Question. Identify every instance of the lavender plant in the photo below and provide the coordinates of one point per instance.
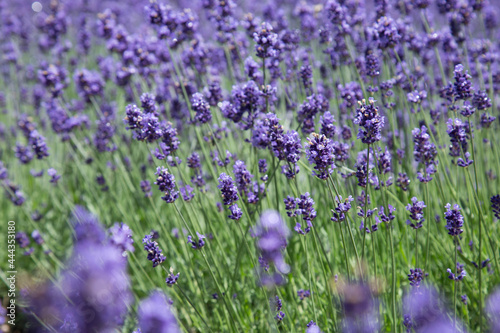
(200, 133)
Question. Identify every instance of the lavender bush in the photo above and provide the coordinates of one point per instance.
(250, 166)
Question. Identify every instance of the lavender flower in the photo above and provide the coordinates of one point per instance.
(457, 131)
(95, 269)
(155, 315)
(343, 206)
(121, 237)
(312, 327)
(460, 273)
(493, 310)
(236, 213)
(424, 151)
(154, 251)
(194, 161)
(462, 88)
(465, 163)
(202, 109)
(416, 210)
(454, 220)
(358, 307)
(495, 205)
(146, 188)
(196, 244)
(22, 239)
(319, 152)
(416, 276)
(54, 177)
(186, 193)
(303, 294)
(272, 233)
(265, 40)
(171, 278)
(481, 101)
(327, 127)
(14, 194)
(37, 237)
(370, 122)
(427, 312)
(229, 191)
(166, 184)
(148, 103)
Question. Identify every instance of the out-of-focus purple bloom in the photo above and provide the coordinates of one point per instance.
(427, 311)
(88, 84)
(54, 177)
(424, 151)
(4, 173)
(272, 234)
(403, 181)
(486, 120)
(303, 294)
(121, 237)
(467, 110)
(193, 161)
(146, 188)
(155, 315)
(37, 143)
(186, 192)
(416, 96)
(386, 33)
(358, 307)
(87, 226)
(37, 237)
(493, 310)
(314, 104)
(312, 327)
(94, 270)
(23, 154)
(22, 239)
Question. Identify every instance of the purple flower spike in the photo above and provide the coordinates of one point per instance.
(454, 220)
(370, 122)
(319, 152)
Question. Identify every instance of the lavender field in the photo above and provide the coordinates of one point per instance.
(250, 166)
